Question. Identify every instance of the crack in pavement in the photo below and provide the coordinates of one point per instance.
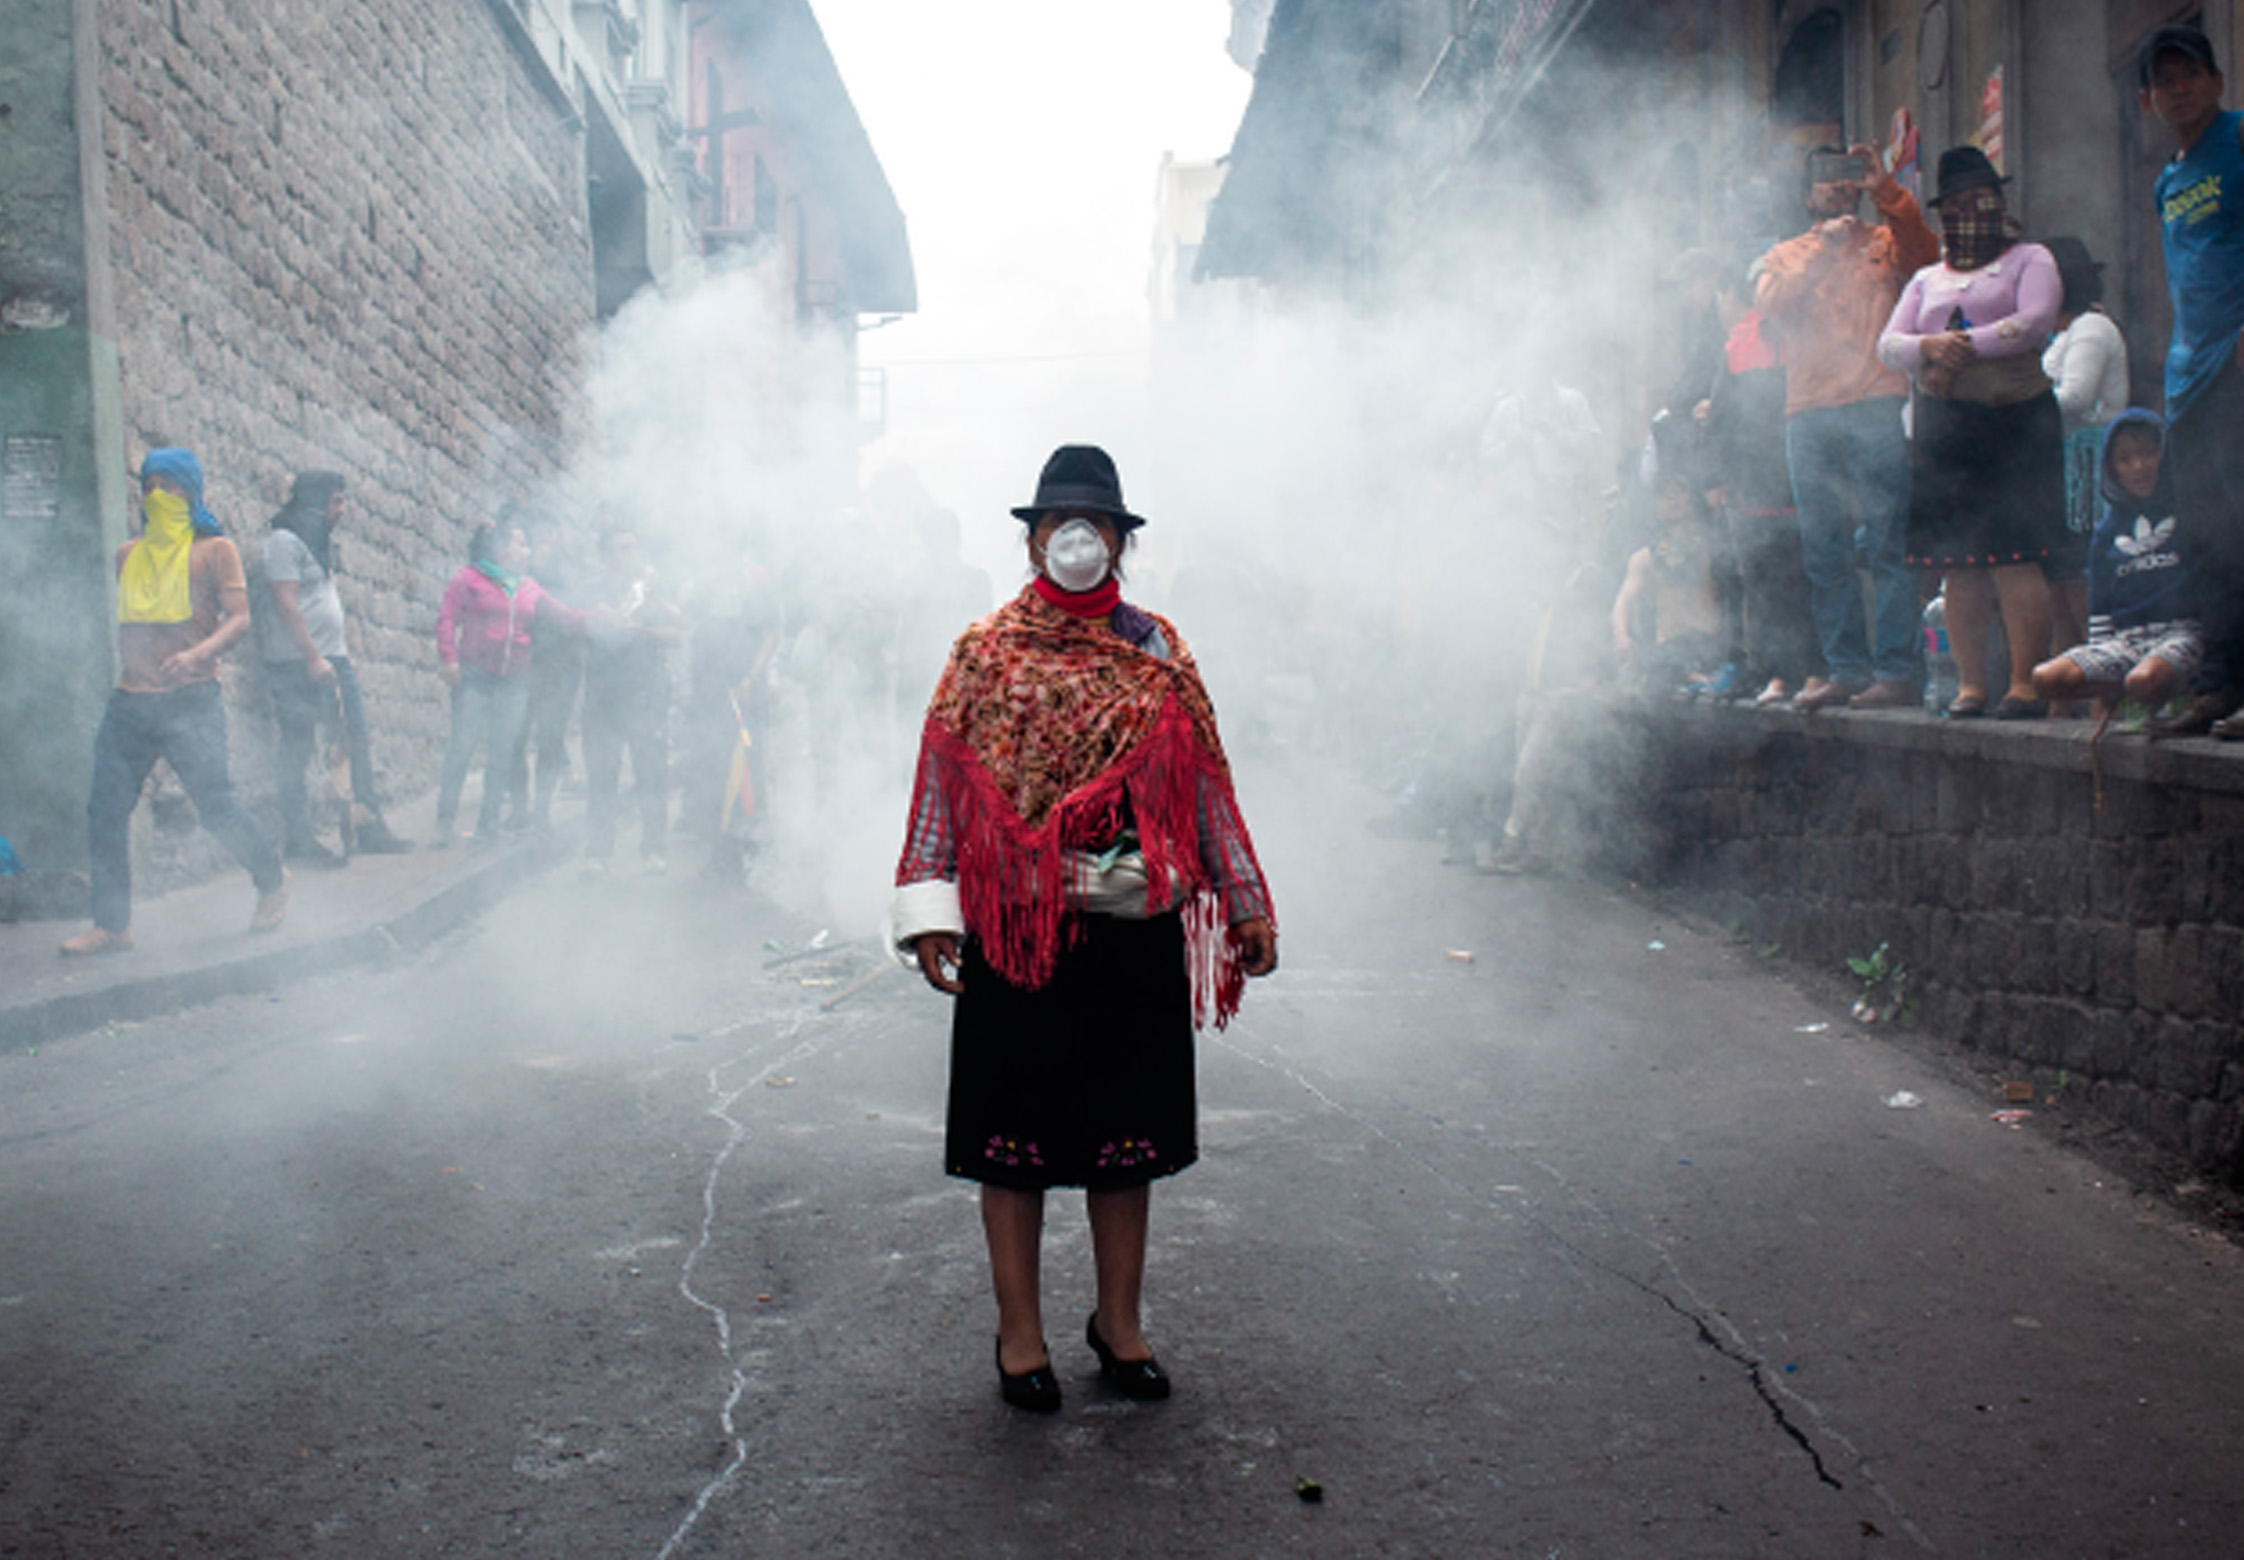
(1737, 1351)
(736, 1133)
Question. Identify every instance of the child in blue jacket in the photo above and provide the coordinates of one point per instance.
(2144, 638)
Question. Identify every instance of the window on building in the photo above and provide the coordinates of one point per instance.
(767, 199)
(1811, 76)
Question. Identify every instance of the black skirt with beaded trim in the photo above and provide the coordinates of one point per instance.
(1986, 483)
(1088, 1080)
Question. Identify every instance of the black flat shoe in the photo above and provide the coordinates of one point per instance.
(1036, 1390)
(1144, 1380)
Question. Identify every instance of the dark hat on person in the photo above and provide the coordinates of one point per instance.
(1965, 168)
(2082, 272)
(2188, 42)
(1080, 476)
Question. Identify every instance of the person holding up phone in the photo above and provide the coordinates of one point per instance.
(1827, 295)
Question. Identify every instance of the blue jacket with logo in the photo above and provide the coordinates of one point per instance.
(2139, 558)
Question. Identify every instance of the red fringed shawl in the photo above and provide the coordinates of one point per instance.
(1049, 733)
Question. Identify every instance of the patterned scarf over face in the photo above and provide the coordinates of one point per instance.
(1051, 733)
(1976, 228)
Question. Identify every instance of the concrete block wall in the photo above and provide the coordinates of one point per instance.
(350, 236)
(2100, 947)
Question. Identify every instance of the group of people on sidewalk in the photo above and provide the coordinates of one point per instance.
(507, 649)
(1950, 396)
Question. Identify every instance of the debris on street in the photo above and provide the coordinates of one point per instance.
(855, 986)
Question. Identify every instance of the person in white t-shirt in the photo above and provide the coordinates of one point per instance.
(2086, 362)
(308, 669)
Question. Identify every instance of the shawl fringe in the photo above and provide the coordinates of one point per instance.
(1012, 875)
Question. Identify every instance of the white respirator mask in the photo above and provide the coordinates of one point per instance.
(1076, 557)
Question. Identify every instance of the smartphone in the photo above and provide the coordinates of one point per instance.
(1835, 168)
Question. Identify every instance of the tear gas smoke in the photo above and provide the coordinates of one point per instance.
(1362, 577)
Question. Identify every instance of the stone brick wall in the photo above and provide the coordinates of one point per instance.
(2101, 947)
(350, 236)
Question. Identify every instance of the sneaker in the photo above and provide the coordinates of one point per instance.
(653, 865)
(1516, 857)
(2194, 718)
(1822, 694)
(272, 907)
(313, 854)
(377, 839)
(87, 945)
(1885, 694)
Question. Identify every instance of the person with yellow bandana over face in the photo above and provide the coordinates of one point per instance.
(181, 602)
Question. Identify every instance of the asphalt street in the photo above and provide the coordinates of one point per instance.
(608, 1229)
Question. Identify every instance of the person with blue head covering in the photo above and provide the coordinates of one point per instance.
(182, 602)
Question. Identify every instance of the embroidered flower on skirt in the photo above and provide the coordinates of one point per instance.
(1128, 1152)
(1012, 1151)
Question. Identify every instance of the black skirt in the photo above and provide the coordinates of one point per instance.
(1087, 1081)
(1986, 483)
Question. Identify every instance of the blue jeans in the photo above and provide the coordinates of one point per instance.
(187, 729)
(487, 711)
(301, 708)
(1850, 482)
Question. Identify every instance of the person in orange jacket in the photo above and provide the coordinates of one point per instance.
(1827, 295)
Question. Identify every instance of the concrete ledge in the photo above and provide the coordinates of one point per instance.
(2200, 763)
(363, 928)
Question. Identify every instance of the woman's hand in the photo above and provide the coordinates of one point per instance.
(1951, 350)
(937, 953)
(1257, 941)
(450, 672)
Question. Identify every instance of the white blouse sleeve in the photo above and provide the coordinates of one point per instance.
(2084, 356)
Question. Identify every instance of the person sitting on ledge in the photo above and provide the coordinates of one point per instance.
(1670, 590)
(2143, 637)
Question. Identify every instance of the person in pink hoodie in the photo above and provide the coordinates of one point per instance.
(483, 645)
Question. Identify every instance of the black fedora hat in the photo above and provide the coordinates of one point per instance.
(1080, 476)
(2082, 272)
(1965, 168)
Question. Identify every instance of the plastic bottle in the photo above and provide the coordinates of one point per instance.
(1940, 666)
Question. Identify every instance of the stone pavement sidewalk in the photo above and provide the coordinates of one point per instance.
(193, 944)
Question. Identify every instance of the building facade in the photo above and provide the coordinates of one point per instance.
(376, 238)
(1448, 149)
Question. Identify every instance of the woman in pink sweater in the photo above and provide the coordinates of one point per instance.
(483, 642)
(1987, 460)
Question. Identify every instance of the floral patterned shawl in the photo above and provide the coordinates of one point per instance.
(1051, 733)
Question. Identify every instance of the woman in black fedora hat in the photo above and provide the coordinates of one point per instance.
(1077, 874)
(1986, 465)
(2086, 362)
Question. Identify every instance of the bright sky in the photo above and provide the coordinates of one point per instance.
(1023, 139)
